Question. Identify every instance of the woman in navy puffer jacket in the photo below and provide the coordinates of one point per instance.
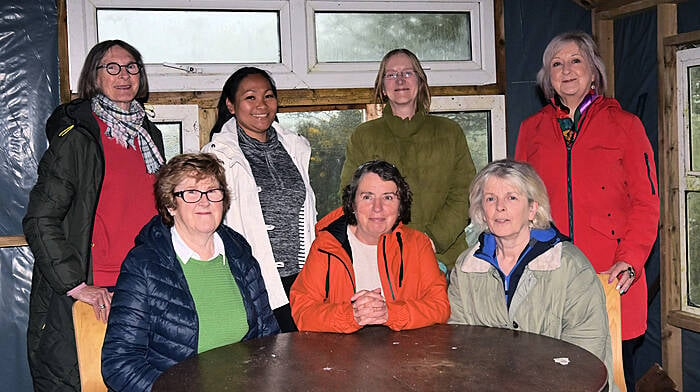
(174, 296)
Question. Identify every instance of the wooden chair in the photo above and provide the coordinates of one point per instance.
(612, 303)
(656, 380)
(89, 336)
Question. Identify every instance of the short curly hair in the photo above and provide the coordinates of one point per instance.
(387, 172)
(197, 165)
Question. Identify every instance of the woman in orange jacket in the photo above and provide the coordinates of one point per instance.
(366, 267)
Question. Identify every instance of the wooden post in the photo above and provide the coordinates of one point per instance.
(671, 336)
(604, 33)
(63, 74)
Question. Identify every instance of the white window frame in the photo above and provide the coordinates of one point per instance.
(82, 33)
(186, 115)
(688, 179)
(495, 104)
(297, 68)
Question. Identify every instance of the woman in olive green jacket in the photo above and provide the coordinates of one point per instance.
(430, 151)
(523, 274)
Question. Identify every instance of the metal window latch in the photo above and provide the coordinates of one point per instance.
(186, 68)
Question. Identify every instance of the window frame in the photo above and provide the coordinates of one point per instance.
(495, 104)
(297, 68)
(186, 115)
(688, 180)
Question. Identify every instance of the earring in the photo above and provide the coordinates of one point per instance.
(531, 224)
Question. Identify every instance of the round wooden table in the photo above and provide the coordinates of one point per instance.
(436, 358)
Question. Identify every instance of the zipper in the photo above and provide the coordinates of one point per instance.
(329, 254)
(386, 267)
(569, 193)
(651, 180)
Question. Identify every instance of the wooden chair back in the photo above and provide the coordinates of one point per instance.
(612, 303)
(89, 336)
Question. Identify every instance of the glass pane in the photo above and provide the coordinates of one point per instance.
(349, 37)
(172, 138)
(693, 231)
(195, 36)
(328, 133)
(477, 129)
(694, 98)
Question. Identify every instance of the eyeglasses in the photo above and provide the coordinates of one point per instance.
(116, 68)
(403, 75)
(195, 195)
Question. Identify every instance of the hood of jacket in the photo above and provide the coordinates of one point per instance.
(226, 141)
(77, 113)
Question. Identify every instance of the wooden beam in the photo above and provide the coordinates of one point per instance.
(604, 33)
(587, 4)
(500, 41)
(12, 241)
(300, 98)
(63, 74)
(692, 37)
(611, 9)
(671, 336)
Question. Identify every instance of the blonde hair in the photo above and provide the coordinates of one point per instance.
(523, 177)
(423, 98)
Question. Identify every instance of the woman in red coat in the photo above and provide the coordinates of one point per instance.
(598, 166)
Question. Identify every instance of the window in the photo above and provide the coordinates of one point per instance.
(481, 117)
(483, 121)
(303, 43)
(688, 73)
(328, 132)
(179, 125)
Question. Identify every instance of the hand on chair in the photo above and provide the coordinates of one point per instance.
(99, 297)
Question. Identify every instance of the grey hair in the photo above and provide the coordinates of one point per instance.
(589, 51)
(523, 177)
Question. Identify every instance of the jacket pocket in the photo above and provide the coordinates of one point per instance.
(606, 225)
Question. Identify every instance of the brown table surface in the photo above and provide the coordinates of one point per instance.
(436, 358)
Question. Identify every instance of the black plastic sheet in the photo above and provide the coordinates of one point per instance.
(28, 94)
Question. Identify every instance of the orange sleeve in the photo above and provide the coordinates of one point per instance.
(425, 301)
(310, 309)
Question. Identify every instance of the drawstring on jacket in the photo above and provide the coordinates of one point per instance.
(328, 272)
(400, 241)
(328, 276)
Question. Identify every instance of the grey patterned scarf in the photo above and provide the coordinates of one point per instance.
(125, 126)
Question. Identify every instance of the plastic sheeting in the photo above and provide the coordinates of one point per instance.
(28, 94)
(529, 27)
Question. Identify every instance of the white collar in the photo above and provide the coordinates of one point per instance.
(185, 253)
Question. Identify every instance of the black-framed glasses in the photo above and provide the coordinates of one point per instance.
(408, 74)
(195, 195)
(115, 68)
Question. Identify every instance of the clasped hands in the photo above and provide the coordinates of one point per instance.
(369, 307)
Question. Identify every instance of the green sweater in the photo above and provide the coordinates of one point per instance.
(432, 154)
(218, 301)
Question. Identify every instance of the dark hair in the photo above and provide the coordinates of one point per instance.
(387, 172)
(423, 97)
(87, 83)
(590, 53)
(196, 165)
(229, 92)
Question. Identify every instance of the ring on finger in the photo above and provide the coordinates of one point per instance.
(101, 306)
(630, 271)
